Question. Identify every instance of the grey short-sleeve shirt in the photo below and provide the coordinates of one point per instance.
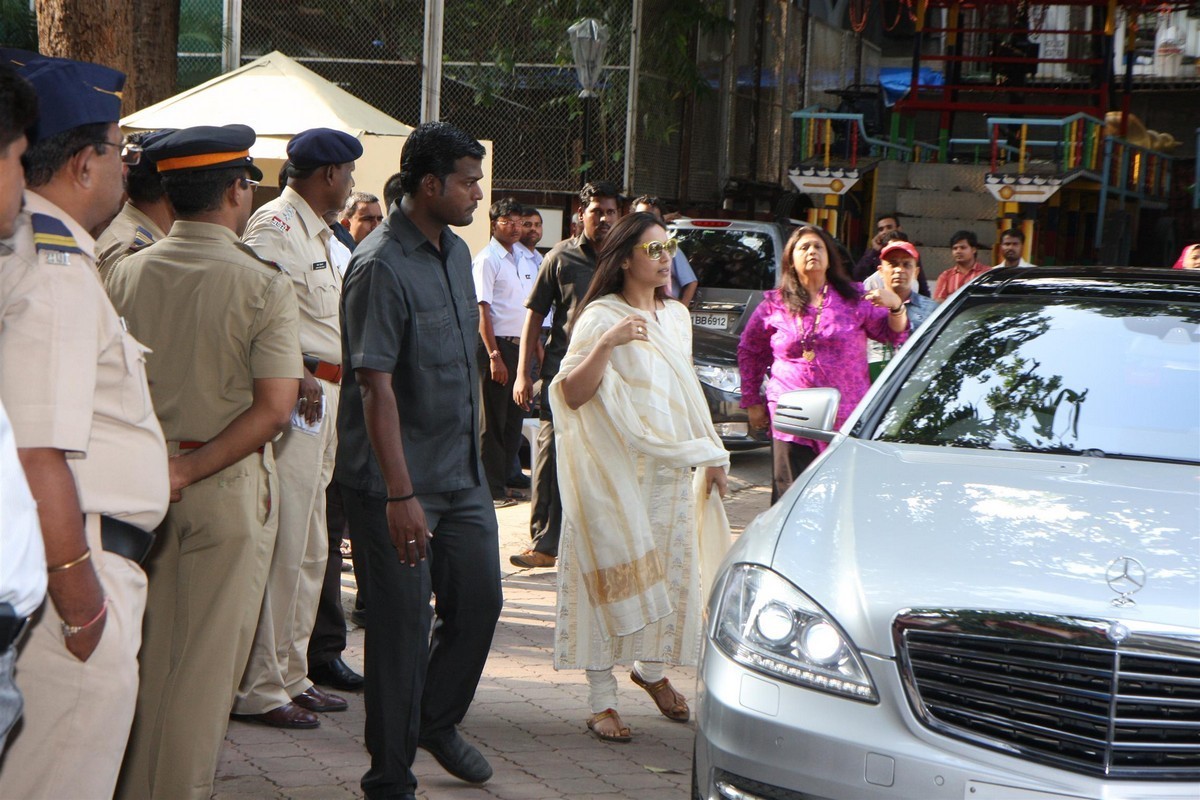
(410, 311)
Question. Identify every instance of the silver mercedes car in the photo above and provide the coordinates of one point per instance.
(988, 586)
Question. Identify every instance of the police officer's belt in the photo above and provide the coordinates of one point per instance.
(323, 369)
(125, 540)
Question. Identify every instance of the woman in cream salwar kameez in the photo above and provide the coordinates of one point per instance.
(642, 534)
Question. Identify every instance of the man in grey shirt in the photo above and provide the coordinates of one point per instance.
(408, 463)
(561, 283)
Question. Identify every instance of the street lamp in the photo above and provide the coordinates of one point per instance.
(589, 39)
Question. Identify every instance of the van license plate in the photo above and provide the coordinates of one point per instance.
(718, 322)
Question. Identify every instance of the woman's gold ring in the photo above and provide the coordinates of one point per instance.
(641, 329)
(412, 541)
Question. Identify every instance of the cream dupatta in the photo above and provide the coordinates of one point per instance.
(597, 472)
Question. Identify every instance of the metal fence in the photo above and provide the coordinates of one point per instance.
(507, 73)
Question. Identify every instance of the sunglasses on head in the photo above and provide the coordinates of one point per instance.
(656, 249)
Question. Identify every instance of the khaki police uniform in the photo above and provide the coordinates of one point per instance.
(130, 231)
(288, 232)
(72, 379)
(231, 320)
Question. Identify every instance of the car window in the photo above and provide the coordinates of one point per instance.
(1094, 377)
(727, 258)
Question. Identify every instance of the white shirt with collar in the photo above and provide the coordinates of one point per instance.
(1021, 263)
(22, 557)
(504, 280)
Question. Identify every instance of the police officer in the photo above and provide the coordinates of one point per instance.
(291, 231)
(146, 214)
(224, 372)
(74, 385)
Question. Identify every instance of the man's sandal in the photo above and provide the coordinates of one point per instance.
(671, 703)
(621, 736)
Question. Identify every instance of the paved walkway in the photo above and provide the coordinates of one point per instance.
(527, 719)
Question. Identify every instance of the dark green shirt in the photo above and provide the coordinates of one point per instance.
(410, 311)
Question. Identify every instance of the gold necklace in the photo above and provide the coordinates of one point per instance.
(810, 340)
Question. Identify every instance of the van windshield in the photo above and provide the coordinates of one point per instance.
(727, 258)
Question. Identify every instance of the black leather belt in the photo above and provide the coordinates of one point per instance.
(125, 540)
(11, 626)
(509, 339)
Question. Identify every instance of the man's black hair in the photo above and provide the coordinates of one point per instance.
(648, 200)
(290, 170)
(392, 190)
(143, 184)
(18, 106)
(434, 148)
(594, 189)
(48, 156)
(967, 236)
(889, 215)
(530, 211)
(1014, 233)
(505, 207)
(199, 191)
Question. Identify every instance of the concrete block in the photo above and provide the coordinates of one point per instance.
(944, 204)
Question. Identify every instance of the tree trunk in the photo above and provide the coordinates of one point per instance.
(137, 37)
(85, 30)
(155, 58)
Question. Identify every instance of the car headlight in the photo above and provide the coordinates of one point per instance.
(768, 625)
(721, 378)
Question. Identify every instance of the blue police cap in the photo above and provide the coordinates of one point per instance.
(317, 147)
(17, 58)
(72, 94)
(204, 147)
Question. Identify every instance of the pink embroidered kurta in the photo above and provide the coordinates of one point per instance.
(775, 340)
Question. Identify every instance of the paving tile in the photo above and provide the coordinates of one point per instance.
(527, 718)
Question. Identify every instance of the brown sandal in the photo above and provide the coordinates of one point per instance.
(621, 736)
(673, 705)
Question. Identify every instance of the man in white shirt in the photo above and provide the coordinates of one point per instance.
(503, 279)
(22, 555)
(1012, 245)
(22, 570)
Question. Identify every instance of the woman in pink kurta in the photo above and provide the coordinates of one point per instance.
(812, 331)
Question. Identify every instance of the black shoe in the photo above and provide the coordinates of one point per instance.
(519, 481)
(336, 674)
(359, 617)
(458, 757)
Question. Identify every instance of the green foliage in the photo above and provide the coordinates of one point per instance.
(18, 25)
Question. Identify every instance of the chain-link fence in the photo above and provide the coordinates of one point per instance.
(507, 73)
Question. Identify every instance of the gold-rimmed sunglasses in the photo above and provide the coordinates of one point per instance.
(656, 249)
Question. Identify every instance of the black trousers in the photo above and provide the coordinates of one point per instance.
(545, 513)
(788, 460)
(418, 685)
(328, 638)
(500, 428)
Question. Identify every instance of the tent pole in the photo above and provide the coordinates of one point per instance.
(431, 62)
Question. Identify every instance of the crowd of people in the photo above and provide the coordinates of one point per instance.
(199, 398)
(204, 395)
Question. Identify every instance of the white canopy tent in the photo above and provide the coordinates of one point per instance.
(278, 98)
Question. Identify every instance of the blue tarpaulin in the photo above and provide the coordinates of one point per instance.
(895, 81)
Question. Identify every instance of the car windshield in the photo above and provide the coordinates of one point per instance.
(728, 258)
(1092, 377)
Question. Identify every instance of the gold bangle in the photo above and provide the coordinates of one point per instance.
(75, 562)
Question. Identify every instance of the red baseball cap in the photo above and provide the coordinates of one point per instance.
(905, 247)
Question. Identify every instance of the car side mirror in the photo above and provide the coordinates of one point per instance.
(808, 413)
